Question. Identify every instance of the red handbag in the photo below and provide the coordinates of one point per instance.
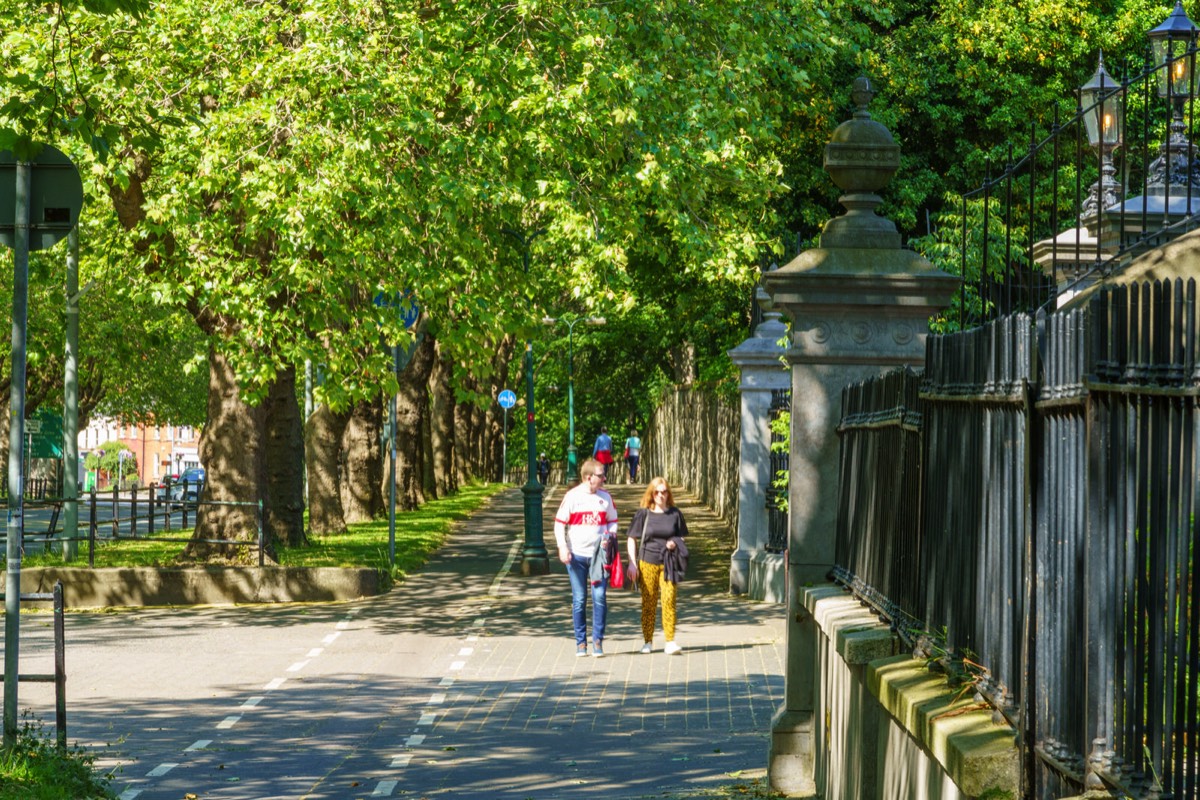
(616, 574)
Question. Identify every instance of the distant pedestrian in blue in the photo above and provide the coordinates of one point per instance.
(633, 452)
(602, 452)
(543, 469)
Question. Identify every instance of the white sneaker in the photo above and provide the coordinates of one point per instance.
(647, 648)
(672, 648)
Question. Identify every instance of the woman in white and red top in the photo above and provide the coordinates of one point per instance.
(587, 513)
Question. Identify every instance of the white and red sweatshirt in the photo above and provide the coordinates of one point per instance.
(582, 518)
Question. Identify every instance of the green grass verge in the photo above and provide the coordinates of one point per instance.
(34, 768)
(365, 545)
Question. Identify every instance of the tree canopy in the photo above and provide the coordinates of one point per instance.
(257, 173)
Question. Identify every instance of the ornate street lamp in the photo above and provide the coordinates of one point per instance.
(1174, 46)
(1103, 106)
(534, 558)
(570, 322)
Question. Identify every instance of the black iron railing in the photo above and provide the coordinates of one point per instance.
(1057, 543)
(1059, 212)
(776, 491)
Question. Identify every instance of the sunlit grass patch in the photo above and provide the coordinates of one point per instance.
(365, 545)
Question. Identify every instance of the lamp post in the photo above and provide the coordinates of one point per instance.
(1103, 107)
(1174, 46)
(534, 559)
(572, 457)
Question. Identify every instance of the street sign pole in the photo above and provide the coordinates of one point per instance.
(409, 312)
(42, 211)
(392, 463)
(15, 532)
(70, 547)
(507, 399)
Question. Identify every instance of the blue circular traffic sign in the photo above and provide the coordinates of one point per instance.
(507, 399)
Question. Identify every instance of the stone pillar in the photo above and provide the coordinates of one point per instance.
(859, 306)
(760, 359)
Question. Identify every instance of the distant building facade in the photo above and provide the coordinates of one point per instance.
(161, 451)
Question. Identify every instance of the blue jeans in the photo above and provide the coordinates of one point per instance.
(577, 571)
(633, 465)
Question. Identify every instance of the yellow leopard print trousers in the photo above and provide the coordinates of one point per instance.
(654, 584)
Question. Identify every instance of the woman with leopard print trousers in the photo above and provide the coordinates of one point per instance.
(660, 527)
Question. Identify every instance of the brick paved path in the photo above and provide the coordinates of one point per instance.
(515, 714)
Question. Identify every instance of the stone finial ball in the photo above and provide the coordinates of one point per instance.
(861, 155)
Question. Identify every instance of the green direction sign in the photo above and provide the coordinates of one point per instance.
(56, 196)
(45, 432)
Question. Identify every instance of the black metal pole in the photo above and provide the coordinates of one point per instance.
(60, 667)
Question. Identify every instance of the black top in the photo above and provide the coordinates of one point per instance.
(655, 529)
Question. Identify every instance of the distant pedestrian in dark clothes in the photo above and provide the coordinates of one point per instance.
(543, 469)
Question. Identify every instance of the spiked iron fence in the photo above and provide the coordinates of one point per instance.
(1056, 540)
(1119, 177)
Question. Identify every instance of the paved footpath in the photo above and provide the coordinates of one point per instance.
(460, 682)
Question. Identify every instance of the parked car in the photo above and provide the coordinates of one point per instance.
(189, 486)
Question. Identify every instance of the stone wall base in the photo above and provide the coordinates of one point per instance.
(889, 728)
(149, 586)
(768, 577)
(790, 759)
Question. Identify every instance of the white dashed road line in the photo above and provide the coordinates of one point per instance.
(384, 789)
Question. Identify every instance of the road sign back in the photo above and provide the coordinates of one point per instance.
(55, 198)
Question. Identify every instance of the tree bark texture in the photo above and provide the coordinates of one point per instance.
(683, 364)
(323, 447)
(694, 440)
(466, 437)
(361, 498)
(442, 429)
(284, 455)
(232, 450)
(493, 427)
(412, 414)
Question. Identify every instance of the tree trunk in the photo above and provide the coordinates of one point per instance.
(466, 438)
(412, 404)
(361, 498)
(442, 430)
(683, 363)
(284, 458)
(323, 445)
(232, 450)
(494, 421)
